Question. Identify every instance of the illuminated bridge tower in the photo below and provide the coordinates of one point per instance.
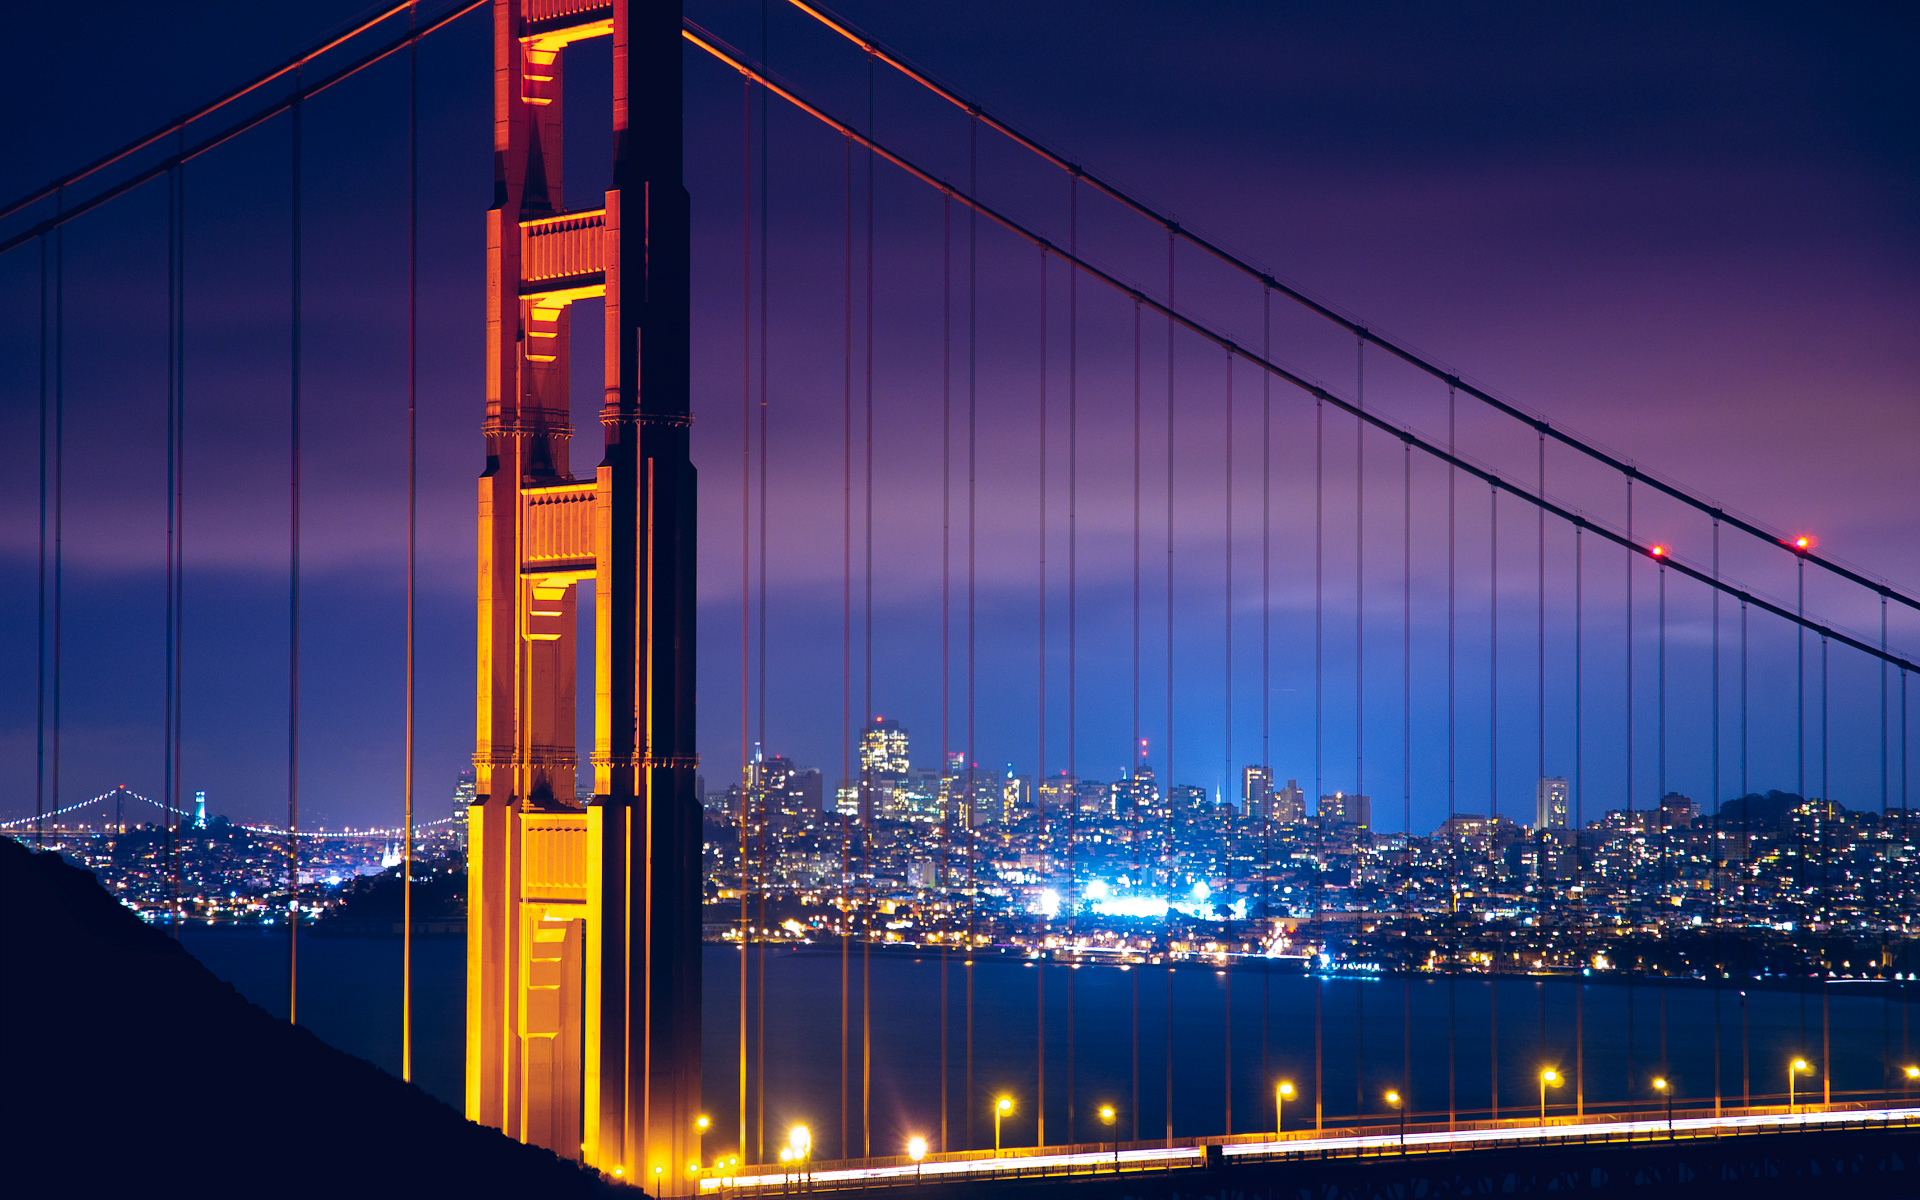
(583, 968)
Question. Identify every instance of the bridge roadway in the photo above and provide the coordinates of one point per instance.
(1765, 1142)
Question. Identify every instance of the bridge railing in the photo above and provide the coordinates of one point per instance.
(1373, 1141)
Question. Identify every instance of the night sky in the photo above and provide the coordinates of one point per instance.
(1691, 234)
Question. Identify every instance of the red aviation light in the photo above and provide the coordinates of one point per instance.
(1657, 551)
(1803, 543)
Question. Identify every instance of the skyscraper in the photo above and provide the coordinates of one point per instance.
(1550, 803)
(883, 748)
(1289, 803)
(1256, 789)
(1138, 794)
(1347, 808)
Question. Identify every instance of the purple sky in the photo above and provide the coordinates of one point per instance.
(1689, 235)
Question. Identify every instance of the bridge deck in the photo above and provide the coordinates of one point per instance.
(1419, 1139)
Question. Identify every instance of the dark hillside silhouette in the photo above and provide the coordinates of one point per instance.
(129, 1070)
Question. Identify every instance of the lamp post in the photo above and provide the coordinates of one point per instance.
(700, 1124)
(916, 1150)
(1793, 1077)
(1107, 1116)
(1001, 1108)
(800, 1148)
(1660, 1085)
(1548, 1077)
(1906, 1084)
(1281, 1091)
(1394, 1099)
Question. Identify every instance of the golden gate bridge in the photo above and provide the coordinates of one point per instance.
(584, 975)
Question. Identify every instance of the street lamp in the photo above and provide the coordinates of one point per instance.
(1906, 1086)
(1548, 1078)
(700, 1124)
(799, 1147)
(916, 1150)
(1001, 1108)
(1393, 1098)
(1660, 1085)
(1280, 1094)
(1793, 1077)
(1106, 1118)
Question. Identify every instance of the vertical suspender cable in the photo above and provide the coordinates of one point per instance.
(1825, 817)
(1800, 787)
(1493, 775)
(1660, 741)
(973, 217)
(1453, 847)
(169, 858)
(1319, 746)
(866, 825)
(413, 498)
(760, 642)
(949, 801)
(1406, 765)
(1073, 581)
(1632, 855)
(1226, 747)
(1171, 248)
(846, 688)
(748, 776)
(1546, 863)
(293, 607)
(1040, 768)
(179, 488)
(1879, 890)
(40, 586)
(1746, 856)
(59, 495)
(1716, 880)
(1134, 755)
(1266, 675)
(1359, 684)
(1579, 811)
(173, 406)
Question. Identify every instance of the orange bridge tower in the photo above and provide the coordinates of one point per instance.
(583, 942)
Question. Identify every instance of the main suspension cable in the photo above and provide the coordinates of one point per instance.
(899, 63)
(160, 168)
(179, 124)
(1165, 309)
